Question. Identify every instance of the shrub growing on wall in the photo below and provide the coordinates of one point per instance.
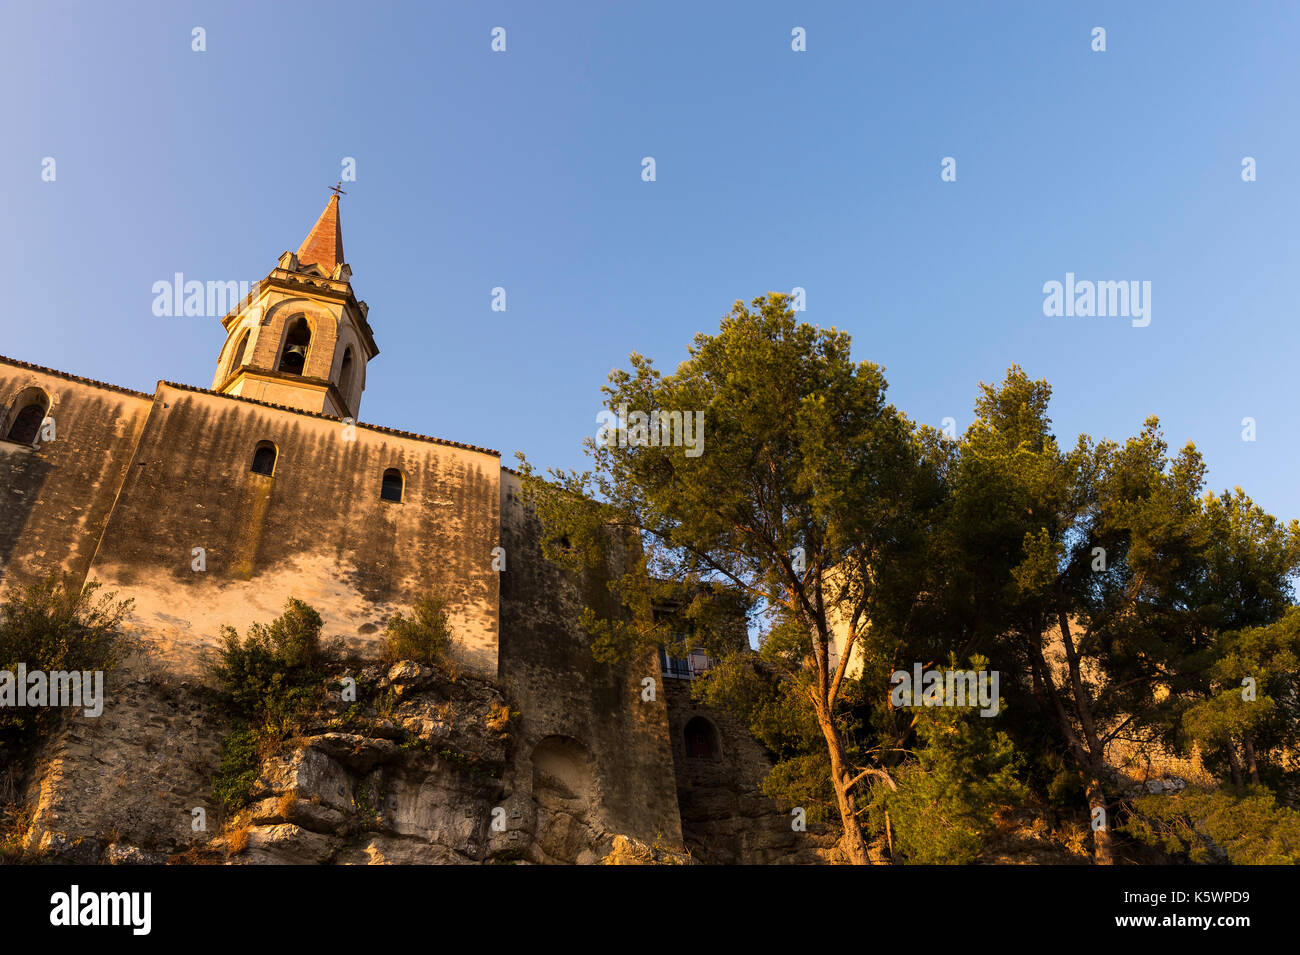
(52, 626)
(269, 681)
(424, 637)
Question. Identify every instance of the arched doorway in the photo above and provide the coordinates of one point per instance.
(701, 738)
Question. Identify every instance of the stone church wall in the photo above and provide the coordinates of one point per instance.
(55, 499)
(316, 529)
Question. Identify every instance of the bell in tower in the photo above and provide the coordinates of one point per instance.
(301, 338)
(295, 357)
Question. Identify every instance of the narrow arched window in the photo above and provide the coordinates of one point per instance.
(296, 342)
(26, 416)
(264, 458)
(26, 424)
(238, 360)
(392, 486)
(345, 375)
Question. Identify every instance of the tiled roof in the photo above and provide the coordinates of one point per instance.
(266, 404)
(64, 374)
(317, 414)
(324, 243)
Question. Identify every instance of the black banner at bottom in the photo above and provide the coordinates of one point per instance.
(345, 905)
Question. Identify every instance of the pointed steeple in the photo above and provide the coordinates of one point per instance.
(312, 353)
(324, 243)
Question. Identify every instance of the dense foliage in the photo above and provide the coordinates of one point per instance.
(53, 626)
(269, 680)
(1123, 606)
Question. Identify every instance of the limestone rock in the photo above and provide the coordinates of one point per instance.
(309, 775)
(286, 844)
(120, 854)
(626, 851)
(389, 850)
(358, 753)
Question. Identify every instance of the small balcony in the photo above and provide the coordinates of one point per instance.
(684, 668)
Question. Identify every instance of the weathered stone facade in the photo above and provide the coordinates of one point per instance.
(726, 819)
(316, 528)
(167, 499)
(565, 695)
(57, 498)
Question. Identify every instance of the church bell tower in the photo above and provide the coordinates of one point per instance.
(301, 338)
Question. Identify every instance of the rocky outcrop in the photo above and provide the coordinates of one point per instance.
(418, 768)
(625, 851)
(410, 776)
(137, 776)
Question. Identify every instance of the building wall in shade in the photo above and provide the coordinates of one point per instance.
(56, 496)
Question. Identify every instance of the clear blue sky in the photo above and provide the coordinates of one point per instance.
(775, 169)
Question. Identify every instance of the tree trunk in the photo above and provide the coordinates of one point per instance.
(854, 842)
(1251, 766)
(1234, 762)
(1091, 750)
(1103, 850)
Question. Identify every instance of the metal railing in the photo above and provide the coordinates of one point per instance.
(683, 668)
